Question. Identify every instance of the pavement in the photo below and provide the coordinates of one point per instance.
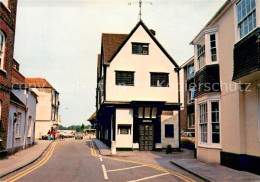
(23, 158)
(186, 161)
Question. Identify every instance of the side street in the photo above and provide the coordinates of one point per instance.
(150, 116)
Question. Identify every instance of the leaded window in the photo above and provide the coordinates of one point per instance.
(159, 79)
(125, 78)
(140, 48)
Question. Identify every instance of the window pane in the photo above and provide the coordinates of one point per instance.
(154, 112)
(140, 48)
(169, 130)
(214, 106)
(140, 112)
(147, 112)
(124, 78)
(215, 138)
(159, 79)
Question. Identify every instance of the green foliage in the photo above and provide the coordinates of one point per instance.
(78, 128)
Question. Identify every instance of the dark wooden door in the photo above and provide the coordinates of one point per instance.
(146, 135)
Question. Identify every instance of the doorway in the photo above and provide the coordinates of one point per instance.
(146, 137)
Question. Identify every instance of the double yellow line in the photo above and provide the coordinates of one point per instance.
(33, 168)
(179, 175)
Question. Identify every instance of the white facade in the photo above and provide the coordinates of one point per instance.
(23, 129)
(46, 117)
(139, 106)
(142, 65)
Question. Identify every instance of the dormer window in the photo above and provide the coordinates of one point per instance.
(246, 16)
(140, 48)
(201, 54)
(2, 48)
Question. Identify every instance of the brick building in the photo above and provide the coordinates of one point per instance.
(7, 35)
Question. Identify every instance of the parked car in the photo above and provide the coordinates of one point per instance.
(188, 139)
(78, 135)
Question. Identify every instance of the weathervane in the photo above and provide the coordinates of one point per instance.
(140, 7)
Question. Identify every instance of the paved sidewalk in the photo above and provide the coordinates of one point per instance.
(103, 149)
(23, 157)
(214, 172)
(185, 160)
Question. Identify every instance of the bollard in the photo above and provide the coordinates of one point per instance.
(113, 148)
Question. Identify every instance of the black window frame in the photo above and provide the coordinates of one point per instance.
(167, 133)
(158, 75)
(124, 82)
(135, 49)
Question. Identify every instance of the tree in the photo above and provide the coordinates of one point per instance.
(82, 127)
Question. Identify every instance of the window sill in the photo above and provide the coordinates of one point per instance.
(126, 85)
(18, 137)
(209, 146)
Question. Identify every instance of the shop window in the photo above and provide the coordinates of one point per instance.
(124, 129)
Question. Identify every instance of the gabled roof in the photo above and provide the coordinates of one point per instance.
(111, 49)
(16, 100)
(111, 43)
(37, 82)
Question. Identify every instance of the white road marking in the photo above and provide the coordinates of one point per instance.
(124, 168)
(142, 179)
(104, 171)
(100, 158)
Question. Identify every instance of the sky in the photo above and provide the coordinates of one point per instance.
(59, 40)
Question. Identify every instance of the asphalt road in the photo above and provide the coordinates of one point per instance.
(76, 160)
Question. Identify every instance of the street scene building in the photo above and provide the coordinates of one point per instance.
(188, 93)
(22, 113)
(134, 114)
(7, 36)
(47, 110)
(226, 81)
(137, 92)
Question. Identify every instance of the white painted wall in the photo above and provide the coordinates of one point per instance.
(43, 109)
(125, 117)
(156, 61)
(26, 137)
(18, 140)
(170, 119)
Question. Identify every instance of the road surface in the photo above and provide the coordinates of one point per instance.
(78, 160)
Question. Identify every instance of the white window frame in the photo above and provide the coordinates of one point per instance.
(203, 116)
(202, 54)
(18, 125)
(29, 132)
(190, 101)
(245, 18)
(209, 143)
(211, 48)
(2, 52)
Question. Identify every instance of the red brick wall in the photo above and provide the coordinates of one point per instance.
(7, 25)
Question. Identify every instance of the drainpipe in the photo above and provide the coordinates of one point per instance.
(179, 109)
(26, 118)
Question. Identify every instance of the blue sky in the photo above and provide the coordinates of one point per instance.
(59, 40)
